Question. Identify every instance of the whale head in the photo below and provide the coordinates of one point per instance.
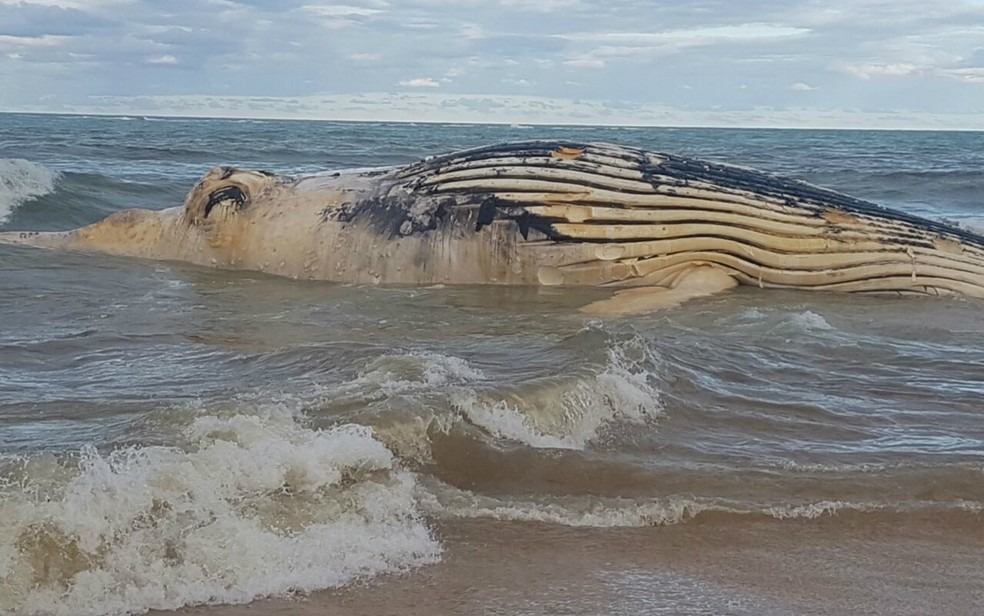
(230, 218)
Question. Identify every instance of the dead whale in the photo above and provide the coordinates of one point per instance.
(656, 228)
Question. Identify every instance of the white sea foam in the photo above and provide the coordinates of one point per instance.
(449, 502)
(753, 314)
(442, 500)
(417, 371)
(805, 320)
(406, 375)
(506, 421)
(810, 321)
(811, 511)
(248, 506)
(867, 467)
(20, 181)
(558, 412)
(570, 413)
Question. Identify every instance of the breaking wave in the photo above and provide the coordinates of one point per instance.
(569, 412)
(20, 181)
(248, 506)
(444, 501)
(416, 391)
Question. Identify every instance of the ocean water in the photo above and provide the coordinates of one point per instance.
(174, 436)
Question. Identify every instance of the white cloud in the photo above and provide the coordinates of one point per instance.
(46, 40)
(642, 46)
(340, 10)
(695, 36)
(472, 31)
(420, 82)
(585, 63)
(867, 71)
(969, 75)
(70, 4)
(542, 6)
(340, 16)
(900, 58)
(966, 74)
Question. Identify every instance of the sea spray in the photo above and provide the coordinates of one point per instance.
(20, 181)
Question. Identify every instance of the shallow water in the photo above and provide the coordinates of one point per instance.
(172, 435)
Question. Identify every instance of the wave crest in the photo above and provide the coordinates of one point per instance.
(445, 501)
(249, 506)
(20, 181)
(559, 412)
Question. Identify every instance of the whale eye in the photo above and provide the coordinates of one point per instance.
(229, 193)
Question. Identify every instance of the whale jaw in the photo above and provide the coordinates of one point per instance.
(129, 233)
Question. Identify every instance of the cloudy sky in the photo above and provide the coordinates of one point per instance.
(847, 63)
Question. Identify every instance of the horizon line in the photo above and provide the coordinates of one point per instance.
(103, 114)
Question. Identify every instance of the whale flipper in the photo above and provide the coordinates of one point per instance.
(699, 281)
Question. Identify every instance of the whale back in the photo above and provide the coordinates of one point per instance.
(646, 215)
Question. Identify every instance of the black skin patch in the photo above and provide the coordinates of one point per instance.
(492, 208)
(228, 172)
(442, 212)
(229, 193)
(486, 213)
(524, 221)
(394, 216)
(668, 173)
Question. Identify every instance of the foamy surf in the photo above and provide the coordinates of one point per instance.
(406, 395)
(569, 412)
(393, 374)
(20, 181)
(248, 506)
(441, 500)
(399, 394)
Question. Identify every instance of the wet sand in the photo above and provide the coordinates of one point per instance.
(831, 566)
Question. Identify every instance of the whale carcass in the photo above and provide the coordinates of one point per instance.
(655, 228)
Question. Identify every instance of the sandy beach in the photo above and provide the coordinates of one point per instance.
(824, 567)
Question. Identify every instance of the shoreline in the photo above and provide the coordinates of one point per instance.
(820, 567)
